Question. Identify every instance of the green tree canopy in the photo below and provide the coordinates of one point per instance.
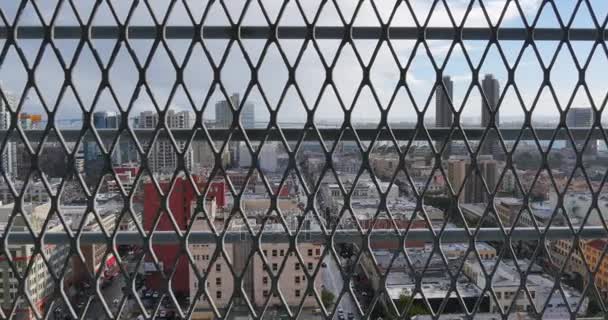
(327, 297)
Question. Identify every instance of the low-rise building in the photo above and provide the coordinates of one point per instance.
(35, 191)
(384, 166)
(402, 274)
(506, 284)
(364, 190)
(95, 255)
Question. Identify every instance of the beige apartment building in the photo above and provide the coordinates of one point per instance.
(257, 280)
(292, 282)
(219, 282)
(384, 166)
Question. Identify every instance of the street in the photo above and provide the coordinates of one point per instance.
(113, 291)
(96, 310)
(332, 280)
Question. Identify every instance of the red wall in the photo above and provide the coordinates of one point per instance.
(180, 204)
(180, 201)
(134, 170)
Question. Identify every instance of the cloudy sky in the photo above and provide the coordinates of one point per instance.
(236, 74)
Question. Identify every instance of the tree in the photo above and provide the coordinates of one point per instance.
(537, 197)
(404, 301)
(327, 297)
(527, 160)
(556, 160)
(595, 306)
(439, 202)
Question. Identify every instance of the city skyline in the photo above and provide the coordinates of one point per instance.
(291, 168)
(419, 78)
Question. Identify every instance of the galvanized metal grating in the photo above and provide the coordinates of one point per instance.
(54, 243)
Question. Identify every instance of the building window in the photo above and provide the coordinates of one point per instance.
(297, 279)
(218, 294)
(275, 267)
(310, 266)
(265, 280)
(297, 266)
(218, 281)
(265, 293)
(282, 253)
(297, 293)
(218, 267)
(274, 252)
(318, 252)
(310, 252)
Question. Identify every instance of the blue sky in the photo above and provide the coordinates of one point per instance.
(347, 73)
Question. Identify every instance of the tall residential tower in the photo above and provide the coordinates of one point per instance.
(444, 116)
(489, 109)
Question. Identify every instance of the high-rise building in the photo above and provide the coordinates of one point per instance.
(9, 153)
(52, 161)
(94, 159)
(164, 158)
(203, 157)
(475, 191)
(239, 154)
(248, 116)
(456, 174)
(489, 107)
(582, 118)
(224, 111)
(444, 116)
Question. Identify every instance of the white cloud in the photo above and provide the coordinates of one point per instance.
(312, 72)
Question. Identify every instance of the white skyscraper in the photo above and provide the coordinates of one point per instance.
(9, 153)
(163, 157)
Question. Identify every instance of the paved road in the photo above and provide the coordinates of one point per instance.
(96, 310)
(114, 291)
(332, 280)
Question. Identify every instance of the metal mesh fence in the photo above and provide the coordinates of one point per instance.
(260, 159)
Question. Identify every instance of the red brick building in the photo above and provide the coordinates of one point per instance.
(182, 198)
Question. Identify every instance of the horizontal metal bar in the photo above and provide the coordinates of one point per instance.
(342, 236)
(302, 32)
(328, 134)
